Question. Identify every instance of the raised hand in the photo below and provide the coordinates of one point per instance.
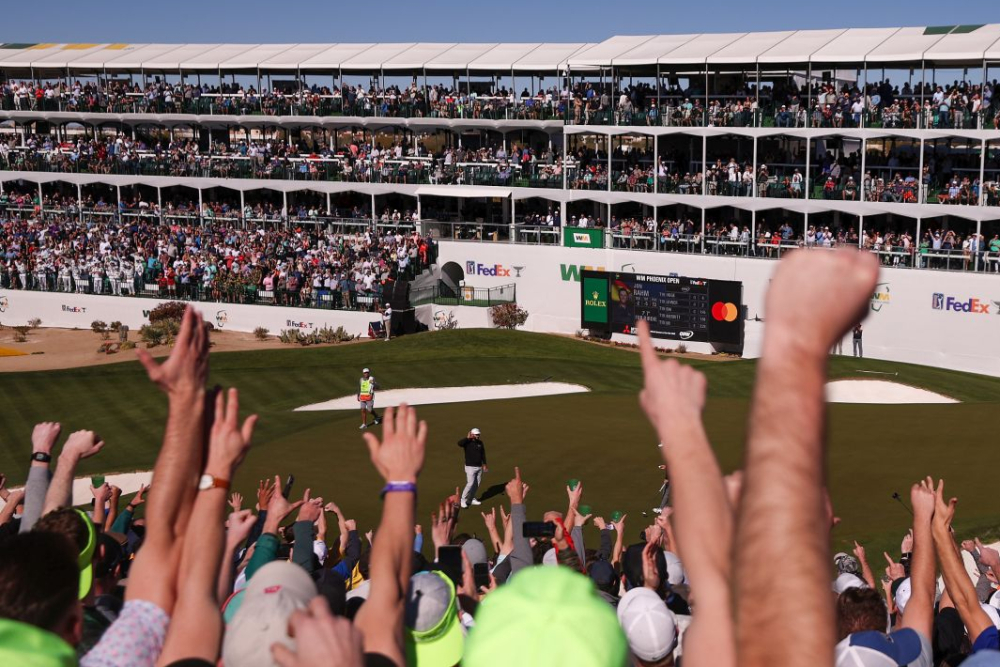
(310, 509)
(600, 523)
(859, 552)
(922, 501)
(804, 313)
(490, 518)
(236, 501)
(186, 370)
(399, 457)
(650, 574)
(264, 492)
(229, 442)
(575, 495)
(969, 545)
(321, 639)
(443, 524)
(944, 510)
(620, 524)
(238, 526)
(82, 445)
(278, 508)
(101, 494)
(893, 570)
(673, 395)
(44, 436)
(906, 546)
(516, 488)
(140, 496)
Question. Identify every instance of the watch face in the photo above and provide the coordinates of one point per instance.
(205, 482)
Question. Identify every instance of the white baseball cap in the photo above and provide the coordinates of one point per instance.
(475, 431)
(675, 570)
(846, 581)
(650, 627)
(365, 370)
(903, 595)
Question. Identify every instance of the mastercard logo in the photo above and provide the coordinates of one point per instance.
(724, 311)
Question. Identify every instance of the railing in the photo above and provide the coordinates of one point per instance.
(463, 296)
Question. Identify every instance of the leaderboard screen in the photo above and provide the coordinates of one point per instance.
(677, 308)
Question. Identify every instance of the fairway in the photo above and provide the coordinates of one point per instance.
(600, 437)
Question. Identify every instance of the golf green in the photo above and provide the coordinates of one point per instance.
(600, 437)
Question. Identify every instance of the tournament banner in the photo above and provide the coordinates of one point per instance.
(576, 237)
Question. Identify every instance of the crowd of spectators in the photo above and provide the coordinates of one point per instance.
(209, 259)
(728, 572)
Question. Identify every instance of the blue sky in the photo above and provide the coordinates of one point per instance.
(448, 20)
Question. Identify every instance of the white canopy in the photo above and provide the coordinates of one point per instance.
(957, 44)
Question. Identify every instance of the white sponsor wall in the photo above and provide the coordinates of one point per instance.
(903, 323)
(79, 310)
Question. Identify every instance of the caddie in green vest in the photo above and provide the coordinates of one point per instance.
(366, 397)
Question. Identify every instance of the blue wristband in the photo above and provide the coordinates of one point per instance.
(399, 487)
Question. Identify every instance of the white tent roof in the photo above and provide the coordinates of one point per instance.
(291, 58)
(907, 44)
(798, 46)
(502, 56)
(416, 56)
(137, 56)
(251, 58)
(373, 58)
(748, 47)
(957, 44)
(334, 56)
(966, 45)
(548, 57)
(852, 45)
(459, 56)
(698, 50)
(602, 54)
(650, 51)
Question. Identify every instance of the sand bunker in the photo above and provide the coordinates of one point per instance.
(435, 395)
(880, 391)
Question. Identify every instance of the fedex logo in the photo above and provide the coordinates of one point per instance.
(495, 270)
(941, 302)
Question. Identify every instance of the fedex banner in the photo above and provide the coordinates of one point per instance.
(936, 318)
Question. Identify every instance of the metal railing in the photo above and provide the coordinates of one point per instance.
(442, 294)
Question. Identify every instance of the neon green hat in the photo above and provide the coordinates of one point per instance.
(434, 636)
(546, 616)
(86, 558)
(25, 645)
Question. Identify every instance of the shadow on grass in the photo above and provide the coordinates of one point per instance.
(495, 490)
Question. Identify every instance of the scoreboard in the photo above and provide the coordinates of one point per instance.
(678, 308)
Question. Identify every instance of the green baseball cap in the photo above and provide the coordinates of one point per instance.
(433, 633)
(546, 616)
(25, 645)
(86, 557)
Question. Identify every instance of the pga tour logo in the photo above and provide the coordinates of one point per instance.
(941, 302)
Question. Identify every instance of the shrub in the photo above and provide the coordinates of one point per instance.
(128, 345)
(260, 333)
(172, 310)
(21, 333)
(35, 322)
(508, 315)
(682, 348)
(160, 333)
(101, 328)
(115, 326)
(290, 336)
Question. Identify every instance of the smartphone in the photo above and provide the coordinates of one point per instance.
(287, 489)
(481, 572)
(538, 529)
(450, 562)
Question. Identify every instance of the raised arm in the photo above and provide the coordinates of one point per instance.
(196, 627)
(919, 614)
(521, 557)
(399, 458)
(673, 398)
(956, 581)
(80, 445)
(168, 506)
(783, 506)
(43, 440)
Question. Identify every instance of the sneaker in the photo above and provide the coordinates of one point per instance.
(363, 427)
(476, 502)
(463, 505)
(378, 420)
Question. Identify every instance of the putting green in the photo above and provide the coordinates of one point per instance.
(599, 437)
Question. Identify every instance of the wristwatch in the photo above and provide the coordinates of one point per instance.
(41, 457)
(211, 482)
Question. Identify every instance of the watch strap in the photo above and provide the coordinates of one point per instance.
(41, 457)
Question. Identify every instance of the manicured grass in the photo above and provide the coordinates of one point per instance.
(601, 438)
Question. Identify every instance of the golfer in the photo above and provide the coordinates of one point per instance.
(475, 466)
(366, 397)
